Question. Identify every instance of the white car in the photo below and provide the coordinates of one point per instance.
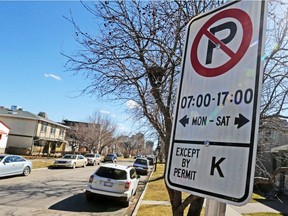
(114, 181)
(93, 159)
(14, 165)
(71, 161)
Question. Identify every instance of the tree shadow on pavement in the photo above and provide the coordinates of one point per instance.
(279, 203)
(78, 203)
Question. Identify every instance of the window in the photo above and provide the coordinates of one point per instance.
(133, 173)
(61, 132)
(53, 130)
(44, 127)
(18, 159)
(141, 161)
(8, 159)
(111, 173)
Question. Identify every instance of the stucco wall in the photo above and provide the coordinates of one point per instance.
(4, 137)
(21, 133)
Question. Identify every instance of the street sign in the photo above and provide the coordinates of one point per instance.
(214, 137)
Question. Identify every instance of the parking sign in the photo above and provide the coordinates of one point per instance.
(214, 137)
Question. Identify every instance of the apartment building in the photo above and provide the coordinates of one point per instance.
(32, 134)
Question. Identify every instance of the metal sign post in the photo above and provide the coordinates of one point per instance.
(214, 208)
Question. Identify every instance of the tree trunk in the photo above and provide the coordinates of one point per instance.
(175, 199)
(196, 207)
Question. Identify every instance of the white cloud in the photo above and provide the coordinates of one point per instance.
(122, 128)
(53, 76)
(131, 104)
(105, 112)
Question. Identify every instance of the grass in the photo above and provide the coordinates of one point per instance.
(41, 164)
(156, 190)
(263, 214)
(256, 197)
(154, 210)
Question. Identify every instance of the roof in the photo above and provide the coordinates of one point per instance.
(2, 132)
(26, 115)
(280, 149)
(116, 166)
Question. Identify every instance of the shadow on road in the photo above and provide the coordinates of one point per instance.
(279, 203)
(78, 203)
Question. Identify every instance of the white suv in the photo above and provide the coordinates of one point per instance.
(114, 181)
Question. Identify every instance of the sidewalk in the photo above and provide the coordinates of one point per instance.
(230, 209)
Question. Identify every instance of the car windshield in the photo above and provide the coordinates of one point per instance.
(111, 173)
(89, 155)
(141, 161)
(109, 155)
(69, 157)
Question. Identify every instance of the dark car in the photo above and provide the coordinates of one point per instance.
(152, 160)
(141, 165)
(110, 158)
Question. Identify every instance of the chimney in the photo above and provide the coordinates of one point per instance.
(43, 115)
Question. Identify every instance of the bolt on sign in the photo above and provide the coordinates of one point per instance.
(214, 137)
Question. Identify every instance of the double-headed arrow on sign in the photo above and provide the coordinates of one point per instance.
(239, 121)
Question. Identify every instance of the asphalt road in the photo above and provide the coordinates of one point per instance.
(53, 192)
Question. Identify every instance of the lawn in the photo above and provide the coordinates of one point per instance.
(156, 190)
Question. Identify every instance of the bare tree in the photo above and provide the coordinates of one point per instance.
(101, 132)
(136, 55)
(95, 134)
(274, 102)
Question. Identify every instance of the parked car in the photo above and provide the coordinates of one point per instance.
(71, 161)
(93, 159)
(152, 160)
(141, 165)
(113, 181)
(110, 158)
(14, 165)
(138, 156)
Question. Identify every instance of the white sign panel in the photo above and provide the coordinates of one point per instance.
(213, 141)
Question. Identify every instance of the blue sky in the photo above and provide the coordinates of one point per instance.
(33, 76)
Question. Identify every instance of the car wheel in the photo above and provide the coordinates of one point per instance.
(74, 166)
(126, 203)
(26, 171)
(89, 196)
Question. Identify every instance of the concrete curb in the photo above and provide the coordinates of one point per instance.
(135, 211)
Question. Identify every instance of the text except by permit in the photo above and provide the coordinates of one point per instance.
(187, 152)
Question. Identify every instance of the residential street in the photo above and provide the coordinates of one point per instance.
(52, 192)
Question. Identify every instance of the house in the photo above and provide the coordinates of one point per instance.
(32, 134)
(272, 152)
(4, 131)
